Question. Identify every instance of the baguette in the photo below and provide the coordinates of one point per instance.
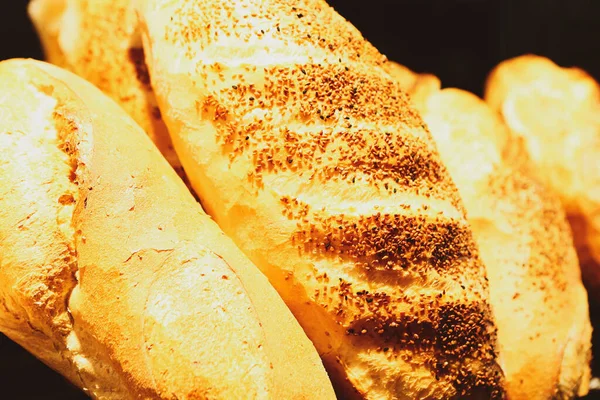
(536, 292)
(556, 113)
(111, 272)
(308, 155)
(98, 40)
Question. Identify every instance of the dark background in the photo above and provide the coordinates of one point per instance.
(458, 40)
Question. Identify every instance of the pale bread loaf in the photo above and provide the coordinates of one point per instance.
(308, 155)
(111, 272)
(537, 296)
(556, 111)
(98, 40)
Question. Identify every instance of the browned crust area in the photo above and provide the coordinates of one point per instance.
(352, 120)
(310, 23)
(137, 58)
(324, 92)
(387, 242)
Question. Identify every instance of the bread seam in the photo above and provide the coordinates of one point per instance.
(69, 145)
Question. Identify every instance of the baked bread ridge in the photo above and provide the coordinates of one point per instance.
(138, 293)
(99, 41)
(563, 145)
(525, 242)
(307, 154)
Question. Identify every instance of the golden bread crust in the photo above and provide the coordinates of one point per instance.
(308, 155)
(99, 41)
(537, 296)
(142, 295)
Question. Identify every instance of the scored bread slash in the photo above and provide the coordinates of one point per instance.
(307, 153)
(111, 272)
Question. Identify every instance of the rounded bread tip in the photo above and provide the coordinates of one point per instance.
(106, 358)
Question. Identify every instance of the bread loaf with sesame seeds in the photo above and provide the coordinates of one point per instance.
(111, 272)
(555, 111)
(99, 41)
(537, 296)
(307, 153)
